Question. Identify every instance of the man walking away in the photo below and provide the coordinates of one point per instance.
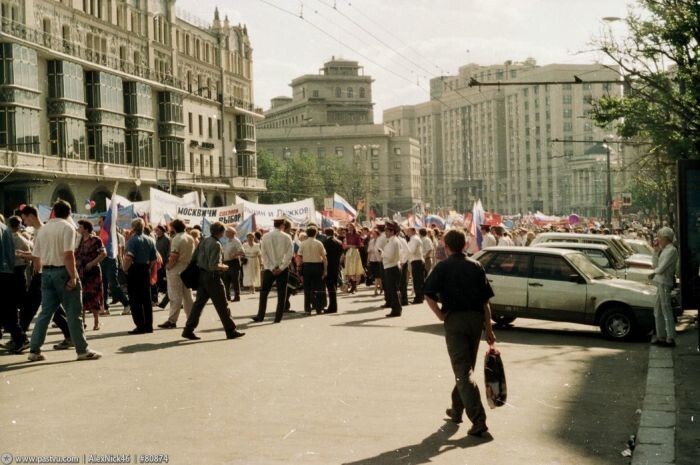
(9, 303)
(210, 260)
(277, 252)
(415, 257)
(460, 284)
(314, 268)
(54, 247)
(334, 250)
(163, 248)
(140, 256)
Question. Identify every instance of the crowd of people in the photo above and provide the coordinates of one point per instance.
(66, 270)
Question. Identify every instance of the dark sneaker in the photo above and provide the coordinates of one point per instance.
(167, 325)
(63, 345)
(190, 335)
(234, 335)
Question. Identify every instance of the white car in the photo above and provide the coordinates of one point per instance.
(616, 244)
(640, 246)
(564, 285)
(604, 258)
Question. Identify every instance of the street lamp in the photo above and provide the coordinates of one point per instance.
(608, 195)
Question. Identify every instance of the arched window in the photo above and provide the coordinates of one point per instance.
(337, 92)
(362, 92)
(349, 92)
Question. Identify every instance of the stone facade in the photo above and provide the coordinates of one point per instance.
(129, 91)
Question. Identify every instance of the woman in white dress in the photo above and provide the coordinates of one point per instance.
(253, 263)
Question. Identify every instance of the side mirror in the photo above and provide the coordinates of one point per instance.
(577, 278)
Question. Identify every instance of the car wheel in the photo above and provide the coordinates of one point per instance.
(618, 323)
(503, 321)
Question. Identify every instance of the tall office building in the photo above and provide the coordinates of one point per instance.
(134, 91)
(500, 143)
(330, 115)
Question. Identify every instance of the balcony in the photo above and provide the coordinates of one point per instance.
(88, 56)
(242, 107)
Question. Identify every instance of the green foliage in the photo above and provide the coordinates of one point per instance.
(659, 62)
(306, 175)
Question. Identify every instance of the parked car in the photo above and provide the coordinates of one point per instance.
(564, 285)
(615, 242)
(604, 258)
(640, 246)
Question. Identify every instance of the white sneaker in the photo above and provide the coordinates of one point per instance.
(89, 355)
(127, 310)
(36, 357)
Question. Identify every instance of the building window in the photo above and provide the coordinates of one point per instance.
(321, 152)
(339, 151)
(397, 151)
(201, 125)
(349, 92)
(362, 92)
(189, 121)
(210, 127)
(337, 92)
(314, 93)
(566, 99)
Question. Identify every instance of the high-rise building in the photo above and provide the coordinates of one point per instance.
(95, 92)
(501, 143)
(330, 115)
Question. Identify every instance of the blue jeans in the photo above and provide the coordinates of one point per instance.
(54, 294)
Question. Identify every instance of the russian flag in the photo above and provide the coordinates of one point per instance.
(435, 220)
(478, 220)
(108, 232)
(246, 226)
(342, 210)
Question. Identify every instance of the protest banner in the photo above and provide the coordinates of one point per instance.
(164, 205)
(300, 212)
(230, 215)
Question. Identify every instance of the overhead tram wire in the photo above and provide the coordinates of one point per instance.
(328, 34)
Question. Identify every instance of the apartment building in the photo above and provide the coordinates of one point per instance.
(131, 91)
(519, 148)
(330, 114)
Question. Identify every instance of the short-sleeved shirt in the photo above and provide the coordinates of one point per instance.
(142, 249)
(21, 244)
(460, 283)
(54, 239)
(312, 250)
(183, 245)
(210, 254)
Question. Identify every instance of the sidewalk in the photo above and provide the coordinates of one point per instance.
(669, 428)
(687, 374)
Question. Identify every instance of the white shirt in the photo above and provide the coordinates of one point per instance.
(505, 241)
(488, 241)
(373, 254)
(277, 250)
(391, 253)
(53, 240)
(428, 246)
(404, 252)
(232, 247)
(415, 249)
(381, 241)
(665, 266)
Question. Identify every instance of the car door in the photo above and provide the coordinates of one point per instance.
(551, 293)
(507, 272)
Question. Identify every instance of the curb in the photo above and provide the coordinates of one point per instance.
(656, 436)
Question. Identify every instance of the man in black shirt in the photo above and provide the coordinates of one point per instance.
(334, 250)
(460, 284)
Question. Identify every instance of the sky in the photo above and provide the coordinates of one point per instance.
(404, 43)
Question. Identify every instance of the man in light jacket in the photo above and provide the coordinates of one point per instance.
(664, 277)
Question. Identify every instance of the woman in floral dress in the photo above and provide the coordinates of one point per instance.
(88, 255)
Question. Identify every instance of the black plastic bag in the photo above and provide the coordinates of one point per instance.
(495, 376)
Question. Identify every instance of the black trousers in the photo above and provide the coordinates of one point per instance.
(314, 292)
(211, 286)
(331, 282)
(462, 334)
(232, 278)
(403, 285)
(138, 281)
(392, 278)
(280, 281)
(32, 304)
(9, 305)
(418, 273)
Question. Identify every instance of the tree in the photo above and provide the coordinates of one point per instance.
(658, 60)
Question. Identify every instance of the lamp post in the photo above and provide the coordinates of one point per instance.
(608, 194)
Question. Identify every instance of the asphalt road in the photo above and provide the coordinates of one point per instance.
(350, 388)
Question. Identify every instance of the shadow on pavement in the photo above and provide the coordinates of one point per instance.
(437, 443)
(147, 346)
(27, 364)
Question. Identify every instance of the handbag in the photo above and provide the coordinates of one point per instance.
(294, 282)
(190, 275)
(244, 260)
(495, 377)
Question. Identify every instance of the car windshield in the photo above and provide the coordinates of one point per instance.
(624, 248)
(640, 247)
(586, 266)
